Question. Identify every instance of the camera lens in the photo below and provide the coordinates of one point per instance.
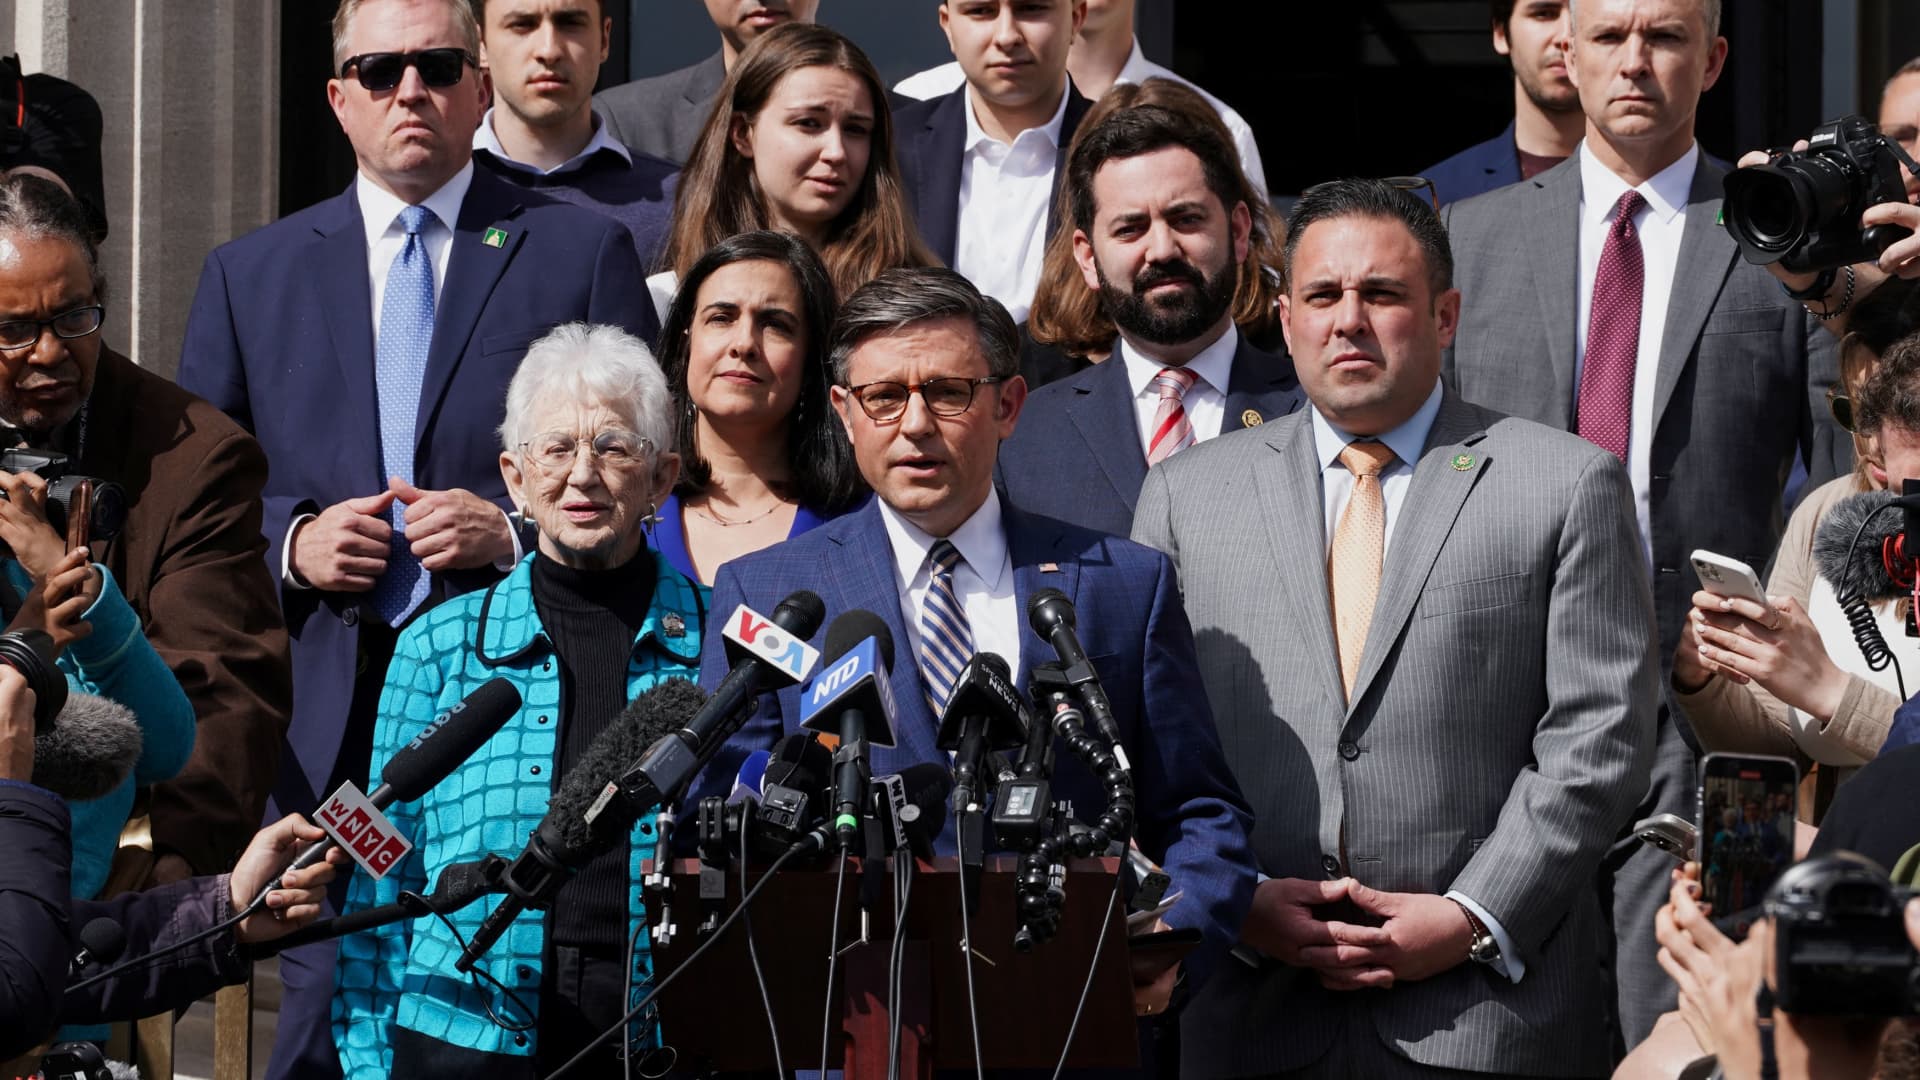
(31, 653)
(1768, 207)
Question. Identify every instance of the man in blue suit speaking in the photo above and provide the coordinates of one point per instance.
(926, 384)
(367, 343)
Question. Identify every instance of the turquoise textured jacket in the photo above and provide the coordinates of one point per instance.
(402, 974)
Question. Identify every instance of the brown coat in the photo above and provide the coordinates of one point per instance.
(191, 561)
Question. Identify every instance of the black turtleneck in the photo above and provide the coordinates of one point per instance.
(592, 618)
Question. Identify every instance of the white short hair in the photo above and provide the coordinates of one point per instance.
(1709, 10)
(599, 364)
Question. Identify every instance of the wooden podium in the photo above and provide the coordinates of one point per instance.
(1026, 1001)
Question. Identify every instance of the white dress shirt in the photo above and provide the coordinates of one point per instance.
(1407, 442)
(1005, 193)
(948, 77)
(983, 580)
(485, 139)
(1660, 224)
(1205, 401)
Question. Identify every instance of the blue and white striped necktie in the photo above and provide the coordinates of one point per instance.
(946, 643)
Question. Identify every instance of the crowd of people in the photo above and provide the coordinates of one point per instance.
(1376, 521)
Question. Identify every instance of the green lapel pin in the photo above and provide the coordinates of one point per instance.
(494, 238)
(1461, 462)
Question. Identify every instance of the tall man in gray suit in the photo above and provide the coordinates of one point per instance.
(1604, 297)
(663, 115)
(1427, 637)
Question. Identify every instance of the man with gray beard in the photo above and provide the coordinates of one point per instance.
(1159, 232)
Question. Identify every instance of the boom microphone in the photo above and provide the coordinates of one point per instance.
(88, 750)
(1877, 566)
(1051, 615)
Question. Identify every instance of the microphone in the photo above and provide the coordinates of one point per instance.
(766, 659)
(1878, 566)
(985, 713)
(459, 885)
(101, 942)
(1051, 615)
(918, 804)
(796, 774)
(852, 697)
(752, 777)
(584, 816)
(448, 742)
(89, 750)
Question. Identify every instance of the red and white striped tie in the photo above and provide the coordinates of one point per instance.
(1171, 431)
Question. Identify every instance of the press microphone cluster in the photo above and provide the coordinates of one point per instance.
(852, 698)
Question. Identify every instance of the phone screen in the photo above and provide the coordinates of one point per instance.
(1746, 834)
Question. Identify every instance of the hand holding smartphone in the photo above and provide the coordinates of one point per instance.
(1746, 812)
(1723, 576)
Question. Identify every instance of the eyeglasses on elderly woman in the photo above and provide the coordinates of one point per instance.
(614, 448)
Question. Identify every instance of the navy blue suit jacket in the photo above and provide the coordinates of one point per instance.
(281, 338)
(1076, 455)
(1192, 818)
(930, 140)
(1477, 170)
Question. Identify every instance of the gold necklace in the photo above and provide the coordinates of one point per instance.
(726, 524)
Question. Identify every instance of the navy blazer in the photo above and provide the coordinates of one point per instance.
(280, 337)
(931, 142)
(1192, 818)
(1477, 170)
(1076, 454)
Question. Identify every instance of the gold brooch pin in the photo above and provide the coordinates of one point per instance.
(1251, 418)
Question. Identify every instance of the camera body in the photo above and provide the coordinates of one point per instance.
(1840, 940)
(106, 507)
(1802, 208)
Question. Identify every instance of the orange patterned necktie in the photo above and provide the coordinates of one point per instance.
(1353, 564)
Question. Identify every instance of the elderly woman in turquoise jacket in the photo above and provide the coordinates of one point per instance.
(586, 622)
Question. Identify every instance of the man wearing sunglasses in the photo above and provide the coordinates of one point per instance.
(927, 386)
(367, 342)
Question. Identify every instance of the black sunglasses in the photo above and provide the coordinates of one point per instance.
(378, 71)
(1840, 405)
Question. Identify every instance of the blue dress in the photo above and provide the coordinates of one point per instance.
(669, 537)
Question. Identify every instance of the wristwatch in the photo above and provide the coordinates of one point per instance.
(1484, 948)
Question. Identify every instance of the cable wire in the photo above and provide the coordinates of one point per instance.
(833, 958)
(896, 965)
(1113, 900)
(753, 955)
(966, 948)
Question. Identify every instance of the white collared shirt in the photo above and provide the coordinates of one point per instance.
(1660, 224)
(485, 139)
(983, 580)
(1205, 401)
(380, 216)
(947, 77)
(1005, 193)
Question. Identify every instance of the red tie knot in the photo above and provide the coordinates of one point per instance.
(1174, 382)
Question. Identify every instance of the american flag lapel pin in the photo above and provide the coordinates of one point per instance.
(1049, 567)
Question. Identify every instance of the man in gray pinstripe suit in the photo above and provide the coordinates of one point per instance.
(1438, 748)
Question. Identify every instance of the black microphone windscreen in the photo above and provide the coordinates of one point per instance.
(450, 740)
(800, 762)
(87, 752)
(850, 628)
(927, 786)
(1858, 569)
(801, 613)
(658, 712)
(104, 939)
(1047, 608)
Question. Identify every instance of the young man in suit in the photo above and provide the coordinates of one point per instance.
(1441, 706)
(662, 115)
(926, 384)
(1605, 297)
(1547, 122)
(1160, 233)
(979, 163)
(367, 342)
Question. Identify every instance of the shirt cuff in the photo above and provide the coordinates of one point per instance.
(1508, 963)
(287, 576)
(513, 531)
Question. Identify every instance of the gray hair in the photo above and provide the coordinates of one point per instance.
(599, 364)
(900, 298)
(1709, 10)
(463, 19)
(41, 209)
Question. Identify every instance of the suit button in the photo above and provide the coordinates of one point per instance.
(351, 616)
(1331, 865)
(1349, 751)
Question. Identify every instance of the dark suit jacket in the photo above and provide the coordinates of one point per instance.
(1076, 455)
(1476, 170)
(281, 339)
(189, 561)
(1191, 816)
(663, 115)
(931, 138)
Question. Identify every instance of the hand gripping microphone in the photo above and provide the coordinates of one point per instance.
(985, 713)
(449, 740)
(1051, 615)
(583, 819)
(767, 658)
(852, 697)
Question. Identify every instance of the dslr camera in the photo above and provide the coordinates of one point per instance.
(103, 503)
(1840, 940)
(1802, 208)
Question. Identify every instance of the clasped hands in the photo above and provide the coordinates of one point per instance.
(1418, 936)
(344, 548)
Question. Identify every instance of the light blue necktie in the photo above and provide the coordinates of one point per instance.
(399, 368)
(946, 642)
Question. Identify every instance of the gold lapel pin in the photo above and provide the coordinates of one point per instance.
(1251, 418)
(1461, 462)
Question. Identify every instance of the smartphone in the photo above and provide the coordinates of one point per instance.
(1670, 833)
(79, 515)
(1746, 812)
(1722, 576)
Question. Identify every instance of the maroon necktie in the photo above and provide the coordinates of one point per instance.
(1605, 412)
